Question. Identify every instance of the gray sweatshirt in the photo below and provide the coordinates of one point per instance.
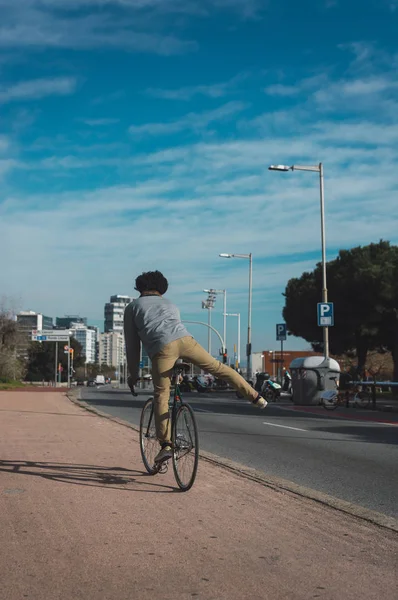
(155, 322)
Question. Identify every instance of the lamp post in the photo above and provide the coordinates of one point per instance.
(237, 315)
(248, 257)
(214, 293)
(316, 169)
(209, 305)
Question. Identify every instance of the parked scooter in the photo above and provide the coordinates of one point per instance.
(199, 384)
(187, 384)
(271, 390)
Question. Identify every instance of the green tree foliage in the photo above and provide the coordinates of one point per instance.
(93, 369)
(10, 367)
(363, 284)
(41, 360)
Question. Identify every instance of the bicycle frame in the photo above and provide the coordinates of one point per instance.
(173, 406)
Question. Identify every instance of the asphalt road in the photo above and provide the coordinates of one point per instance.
(353, 460)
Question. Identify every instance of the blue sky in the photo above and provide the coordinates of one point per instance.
(136, 134)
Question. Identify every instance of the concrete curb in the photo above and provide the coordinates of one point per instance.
(276, 483)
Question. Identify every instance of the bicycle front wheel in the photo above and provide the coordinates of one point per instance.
(186, 447)
(362, 399)
(330, 404)
(149, 444)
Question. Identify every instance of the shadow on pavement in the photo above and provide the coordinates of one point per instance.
(88, 475)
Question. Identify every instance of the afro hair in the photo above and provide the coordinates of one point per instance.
(151, 281)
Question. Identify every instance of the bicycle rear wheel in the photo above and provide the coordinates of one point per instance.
(362, 399)
(149, 444)
(186, 447)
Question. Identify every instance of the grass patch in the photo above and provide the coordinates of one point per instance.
(11, 385)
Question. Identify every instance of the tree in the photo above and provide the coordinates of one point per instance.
(361, 285)
(389, 310)
(40, 363)
(95, 369)
(10, 366)
(41, 360)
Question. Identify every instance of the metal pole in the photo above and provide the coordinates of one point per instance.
(68, 380)
(225, 321)
(218, 334)
(56, 364)
(141, 382)
(281, 363)
(238, 339)
(323, 239)
(209, 334)
(249, 324)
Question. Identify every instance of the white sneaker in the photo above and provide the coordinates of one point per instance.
(260, 403)
(165, 454)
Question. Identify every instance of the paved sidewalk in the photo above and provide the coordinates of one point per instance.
(79, 519)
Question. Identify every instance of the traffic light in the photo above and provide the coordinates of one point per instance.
(225, 357)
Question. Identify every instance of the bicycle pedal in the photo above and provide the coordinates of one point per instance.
(164, 467)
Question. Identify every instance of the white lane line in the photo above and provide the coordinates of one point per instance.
(284, 426)
(202, 410)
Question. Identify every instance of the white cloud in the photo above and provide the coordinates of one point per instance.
(38, 88)
(100, 122)
(278, 89)
(355, 90)
(133, 25)
(215, 90)
(194, 121)
(31, 26)
(4, 144)
(7, 165)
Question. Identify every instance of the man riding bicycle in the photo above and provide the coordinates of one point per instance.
(156, 322)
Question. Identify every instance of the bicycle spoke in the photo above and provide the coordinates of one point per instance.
(148, 439)
(186, 451)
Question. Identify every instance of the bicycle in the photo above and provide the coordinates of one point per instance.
(184, 436)
(331, 399)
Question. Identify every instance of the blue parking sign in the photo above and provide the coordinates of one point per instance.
(325, 314)
(281, 332)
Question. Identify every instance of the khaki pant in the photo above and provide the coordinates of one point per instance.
(162, 364)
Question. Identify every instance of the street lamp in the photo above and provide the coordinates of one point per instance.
(209, 305)
(316, 169)
(249, 257)
(215, 292)
(236, 315)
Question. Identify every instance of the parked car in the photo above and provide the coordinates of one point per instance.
(90, 383)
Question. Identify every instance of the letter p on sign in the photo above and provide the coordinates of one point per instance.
(325, 314)
(281, 332)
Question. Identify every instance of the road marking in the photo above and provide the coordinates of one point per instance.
(284, 426)
(202, 410)
(338, 415)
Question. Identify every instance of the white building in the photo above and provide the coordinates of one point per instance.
(28, 320)
(114, 313)
(111, 349)
(87, 337)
